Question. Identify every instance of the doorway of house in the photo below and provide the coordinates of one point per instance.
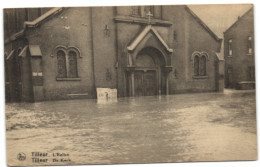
(229, 77)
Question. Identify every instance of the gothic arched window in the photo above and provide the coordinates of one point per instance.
(200, 63)
(196, 65)
(61, 58)
(72, 71)
(67, 65)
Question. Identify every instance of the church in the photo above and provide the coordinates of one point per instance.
(67, 53)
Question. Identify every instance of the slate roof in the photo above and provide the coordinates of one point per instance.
(56, 10)
(37, 21)
(33, 23)
(239, 19)
(203, 24)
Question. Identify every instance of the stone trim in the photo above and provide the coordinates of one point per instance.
(139, 20)
(200, 77)
(68, 79)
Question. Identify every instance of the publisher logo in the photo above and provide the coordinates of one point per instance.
(21, 156)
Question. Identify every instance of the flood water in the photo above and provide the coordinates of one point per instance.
(174, 128)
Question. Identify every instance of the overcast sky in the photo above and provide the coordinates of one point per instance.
(219, 17)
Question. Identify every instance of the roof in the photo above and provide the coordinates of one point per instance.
(10, 55)
(203, 24)
(33, 23)
(249, 10)
(15, 36)
(219, 56)
(56, 10)
(23, 51)
(140, 37)
(35, 50)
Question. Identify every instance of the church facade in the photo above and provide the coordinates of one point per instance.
(68, 53)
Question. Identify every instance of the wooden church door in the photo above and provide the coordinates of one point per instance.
(145, 83)
(149, 83)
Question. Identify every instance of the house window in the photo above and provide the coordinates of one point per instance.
(230, 47)
(229, 77)
(200, 64)
(249, 42)
(174, 35)
(67, 63)
(251, 73)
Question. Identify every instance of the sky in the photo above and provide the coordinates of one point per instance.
(219, 17)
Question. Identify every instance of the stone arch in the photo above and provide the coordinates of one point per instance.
(148, 64)
(200, 54)
(66, 49)
(152, 42)
(155, 54)
(67, 61)
(147, 76)
(199, 63)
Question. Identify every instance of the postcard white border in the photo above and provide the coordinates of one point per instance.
(51, 3)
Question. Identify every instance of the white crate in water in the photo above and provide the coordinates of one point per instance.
(106, 94)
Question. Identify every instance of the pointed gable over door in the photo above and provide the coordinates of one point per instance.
(149, 37)
(142, 35)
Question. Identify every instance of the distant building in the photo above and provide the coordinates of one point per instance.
(239, 53)
(139, 50)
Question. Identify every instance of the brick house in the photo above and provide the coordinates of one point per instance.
(239, 53)
(139, 50)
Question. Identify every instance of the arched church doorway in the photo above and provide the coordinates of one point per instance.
(149, 78)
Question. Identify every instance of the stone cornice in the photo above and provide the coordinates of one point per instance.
(140, 20)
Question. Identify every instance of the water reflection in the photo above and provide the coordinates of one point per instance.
(106, 101)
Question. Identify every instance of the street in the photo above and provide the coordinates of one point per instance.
(151, 129)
